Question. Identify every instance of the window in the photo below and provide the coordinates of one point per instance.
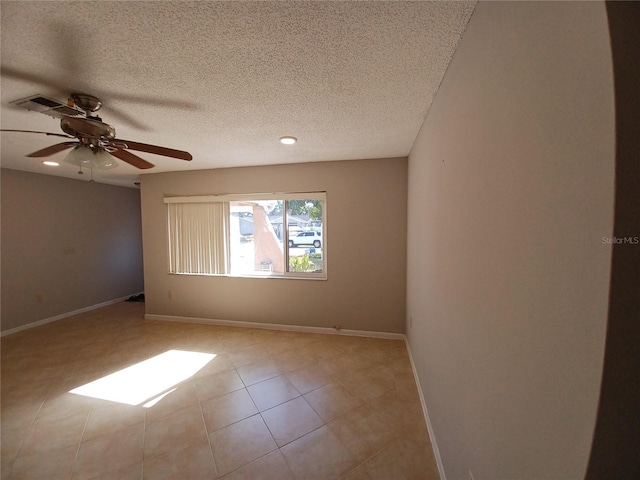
(268, 235)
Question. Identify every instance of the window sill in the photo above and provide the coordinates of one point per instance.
(266, 275)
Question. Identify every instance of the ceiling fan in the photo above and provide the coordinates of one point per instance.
(95, 141)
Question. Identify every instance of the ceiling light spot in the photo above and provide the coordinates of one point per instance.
(288, 140)
(50, 163)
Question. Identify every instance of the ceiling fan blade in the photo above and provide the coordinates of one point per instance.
(33, 131)
(62, 87)
(67, 42)
(126, 118)
(45, 152)
(131, 159)
(9, 72)
(143, 147)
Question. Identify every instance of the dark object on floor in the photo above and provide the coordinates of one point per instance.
(136, 298)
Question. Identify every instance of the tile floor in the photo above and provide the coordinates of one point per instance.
(270, 405)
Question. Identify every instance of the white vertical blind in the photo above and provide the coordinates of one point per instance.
(199, 238)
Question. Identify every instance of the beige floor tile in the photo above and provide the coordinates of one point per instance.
(173, 431)
(367, 383)
(218, 384)
(358, 473)
(292, 360)
(402, 416)
(324, 348)
(403, 459)
(258, 371)
(356, 359)
(20, 390)
(5, 470)
(56, 463)
(240, 444)
(54, 433)
(298, 339)
(363, 432)
(128, 472)
(399, 349)
(109, 453)
(319, 455)
(10, 443)
(237, 338)
(200, 341)
(183, 396)
(406, 387)
(272, 466)
(400, 368)
(224, 410)
(109, 417)
(279, 344)
(309, 378)
(63, 405)
(19, 416)
(332, 401)
(339, 366)
(192, 461)
(245, 355)
(272, 392)
(363, 387)
(382, 370)
(220, 363)
(291, 420)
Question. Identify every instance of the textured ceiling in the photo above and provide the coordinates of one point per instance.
(225, 80)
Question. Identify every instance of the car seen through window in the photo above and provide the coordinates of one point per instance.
(311, 238)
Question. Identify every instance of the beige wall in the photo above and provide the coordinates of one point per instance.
(510, 194)
(66, 245)
(365, 248)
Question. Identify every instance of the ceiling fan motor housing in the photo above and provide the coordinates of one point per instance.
(87, 128)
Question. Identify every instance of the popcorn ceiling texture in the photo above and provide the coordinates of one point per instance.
(225, 80)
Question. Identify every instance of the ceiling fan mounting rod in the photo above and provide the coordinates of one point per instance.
(86, 102)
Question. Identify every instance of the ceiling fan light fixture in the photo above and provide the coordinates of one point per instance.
(51, 163)
(89, 158)
(288, 140)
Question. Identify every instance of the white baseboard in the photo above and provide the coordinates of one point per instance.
(434, 444)
(275, 326)
(55, 318)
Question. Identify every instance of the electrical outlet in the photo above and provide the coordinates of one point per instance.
(39, 298)
(169, 294)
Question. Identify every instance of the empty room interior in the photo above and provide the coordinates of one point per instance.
(345, 240)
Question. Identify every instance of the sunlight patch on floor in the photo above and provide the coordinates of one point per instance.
(148, 381)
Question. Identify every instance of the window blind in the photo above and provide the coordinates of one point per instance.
(199, 238)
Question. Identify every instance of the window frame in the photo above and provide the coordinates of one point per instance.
(254, 197)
